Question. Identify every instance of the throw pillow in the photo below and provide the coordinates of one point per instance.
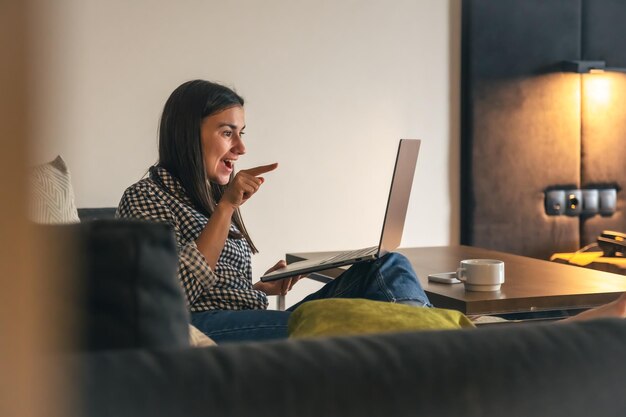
(343, 316)
(52, 195)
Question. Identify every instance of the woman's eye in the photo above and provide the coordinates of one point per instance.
(228, 133)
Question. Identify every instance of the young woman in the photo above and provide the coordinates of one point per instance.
(195, 189)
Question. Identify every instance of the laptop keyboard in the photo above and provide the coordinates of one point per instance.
(359, 253)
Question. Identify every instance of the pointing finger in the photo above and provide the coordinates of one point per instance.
(260, 169)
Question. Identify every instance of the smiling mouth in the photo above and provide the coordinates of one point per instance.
(230, 163)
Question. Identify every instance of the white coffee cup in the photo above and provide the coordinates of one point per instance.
(481, 274)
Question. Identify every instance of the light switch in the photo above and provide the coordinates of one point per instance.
(590, 202)
(608, 201)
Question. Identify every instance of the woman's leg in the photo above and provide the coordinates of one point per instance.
(390, 278)
(226, 326)
(616, 309)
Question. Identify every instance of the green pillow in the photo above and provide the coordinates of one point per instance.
(348, 316)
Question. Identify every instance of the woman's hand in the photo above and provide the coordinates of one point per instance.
(278, 287)
(213, 236)
(245, 184)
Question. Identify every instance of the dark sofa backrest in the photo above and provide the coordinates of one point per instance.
(125, 290)
(96, 213)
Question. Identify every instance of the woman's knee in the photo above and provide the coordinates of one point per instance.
(398, 260)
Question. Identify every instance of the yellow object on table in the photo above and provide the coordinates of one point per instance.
(593, 260)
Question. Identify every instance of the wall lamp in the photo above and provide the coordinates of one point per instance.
(586, 67)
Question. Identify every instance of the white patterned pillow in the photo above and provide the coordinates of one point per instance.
(52, 196)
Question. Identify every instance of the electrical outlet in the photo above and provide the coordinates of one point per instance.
(573, 202)
(555, 202)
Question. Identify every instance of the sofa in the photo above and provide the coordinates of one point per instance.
(128, 350)
(132, 357)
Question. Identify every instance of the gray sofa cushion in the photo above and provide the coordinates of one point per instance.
(125, 288)
(556, 370)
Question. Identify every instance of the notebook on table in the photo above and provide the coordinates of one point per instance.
(393, 223)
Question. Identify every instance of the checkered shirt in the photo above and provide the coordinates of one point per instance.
(162, 198)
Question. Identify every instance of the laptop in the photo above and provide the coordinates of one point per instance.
(393, 224)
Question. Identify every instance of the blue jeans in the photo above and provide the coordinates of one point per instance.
(390, 278)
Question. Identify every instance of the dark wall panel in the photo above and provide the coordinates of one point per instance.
(604, 109)
(511, 38)
(521, 119)
(604, 31)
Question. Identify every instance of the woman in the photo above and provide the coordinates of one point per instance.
(194, 188)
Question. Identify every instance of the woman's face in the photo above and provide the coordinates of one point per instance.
(221, 143)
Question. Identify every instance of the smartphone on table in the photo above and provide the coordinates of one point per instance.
(444, 278)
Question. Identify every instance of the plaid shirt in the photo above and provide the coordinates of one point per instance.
(162, 198)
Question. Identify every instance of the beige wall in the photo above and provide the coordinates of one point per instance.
(330, 87)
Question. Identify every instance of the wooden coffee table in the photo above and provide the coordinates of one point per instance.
(531, 285)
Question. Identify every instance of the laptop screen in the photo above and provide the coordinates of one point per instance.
(399, 194)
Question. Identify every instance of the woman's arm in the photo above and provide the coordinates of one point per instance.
(213, 237)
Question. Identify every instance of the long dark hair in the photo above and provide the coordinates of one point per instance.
(180, 146)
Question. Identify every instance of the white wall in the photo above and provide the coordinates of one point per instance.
(330, 87)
